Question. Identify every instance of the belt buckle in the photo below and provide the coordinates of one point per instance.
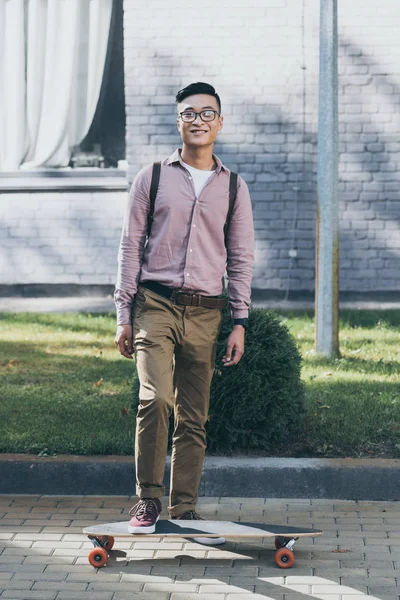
(175, 296)
(195, 299)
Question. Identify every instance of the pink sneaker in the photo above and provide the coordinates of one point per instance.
(145, 515)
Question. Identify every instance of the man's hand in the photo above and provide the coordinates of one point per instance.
(234, 347)
(123, 340)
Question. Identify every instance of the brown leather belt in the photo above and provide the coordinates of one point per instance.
(183, 298)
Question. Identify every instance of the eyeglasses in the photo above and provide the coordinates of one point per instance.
(189, 116)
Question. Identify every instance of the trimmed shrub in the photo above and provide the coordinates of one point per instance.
(257, 405)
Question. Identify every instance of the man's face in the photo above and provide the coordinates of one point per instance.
(199, 133)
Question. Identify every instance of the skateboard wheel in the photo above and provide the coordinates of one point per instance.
(108, 541)
(279, 542)
(284, 558)
(98, 557)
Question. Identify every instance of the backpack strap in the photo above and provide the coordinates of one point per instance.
(155, 179)
(233, 178)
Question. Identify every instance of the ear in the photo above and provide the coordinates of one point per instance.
(221, 123)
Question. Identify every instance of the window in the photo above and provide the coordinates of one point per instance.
(61, 69)
(107, 131)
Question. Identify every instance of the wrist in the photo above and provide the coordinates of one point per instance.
(240, 323)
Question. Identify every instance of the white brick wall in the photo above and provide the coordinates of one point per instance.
(60, 237)
(262, 57)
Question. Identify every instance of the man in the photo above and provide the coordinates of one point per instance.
(173, 282)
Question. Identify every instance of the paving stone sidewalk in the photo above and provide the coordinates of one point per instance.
(43, 553)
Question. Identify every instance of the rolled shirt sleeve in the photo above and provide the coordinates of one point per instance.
(240, 253)
(132, 245)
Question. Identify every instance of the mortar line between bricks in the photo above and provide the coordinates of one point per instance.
(73, 510)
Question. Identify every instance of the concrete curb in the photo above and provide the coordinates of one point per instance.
(349, 479)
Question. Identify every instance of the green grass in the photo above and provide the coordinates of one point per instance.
(49, 398)
(50, 403)
(353, 402)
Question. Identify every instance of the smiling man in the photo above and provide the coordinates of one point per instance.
(169, 299)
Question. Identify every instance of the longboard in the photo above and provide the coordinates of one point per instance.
(102, 536)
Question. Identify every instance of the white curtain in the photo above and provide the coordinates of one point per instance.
(12, 84)
(52, 55)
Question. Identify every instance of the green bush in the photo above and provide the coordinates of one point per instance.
(257, 405)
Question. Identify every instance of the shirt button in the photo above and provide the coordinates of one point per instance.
(190, 250)
(188, 274)
(194, 225)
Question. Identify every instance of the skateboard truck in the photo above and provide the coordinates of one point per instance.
(281, 542)
(100, 553)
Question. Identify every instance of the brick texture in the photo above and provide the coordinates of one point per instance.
(357, 558)
(263, 60)
(63, 237)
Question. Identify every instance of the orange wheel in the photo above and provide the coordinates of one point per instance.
(108, 542)
(98, 557)
(284, 558)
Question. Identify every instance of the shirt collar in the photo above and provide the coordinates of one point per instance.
(176, 157)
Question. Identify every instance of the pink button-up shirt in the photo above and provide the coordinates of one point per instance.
(186, 249)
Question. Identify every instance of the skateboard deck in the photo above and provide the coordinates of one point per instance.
(102, 536)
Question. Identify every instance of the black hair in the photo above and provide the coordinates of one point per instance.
(198, 88)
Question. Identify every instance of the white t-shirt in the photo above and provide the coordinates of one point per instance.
(200, 178)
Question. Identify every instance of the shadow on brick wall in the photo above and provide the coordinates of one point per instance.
(370, 180)
(277, 157)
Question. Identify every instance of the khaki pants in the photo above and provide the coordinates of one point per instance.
(175, 349)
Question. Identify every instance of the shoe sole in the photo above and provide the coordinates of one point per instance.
(208, 541)
(217, 541)
(142, 529)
